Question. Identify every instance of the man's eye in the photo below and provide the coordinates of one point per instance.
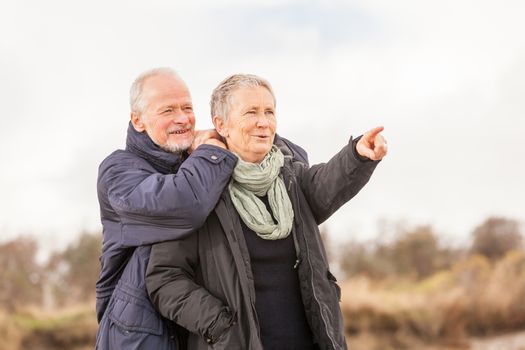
(188, 109)
(167, 110)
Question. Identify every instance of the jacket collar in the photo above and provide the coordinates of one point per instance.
(140, 144)
(278, 141)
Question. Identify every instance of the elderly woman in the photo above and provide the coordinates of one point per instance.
(256, 274)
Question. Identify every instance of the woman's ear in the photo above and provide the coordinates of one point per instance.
(220, 126)
(137, 123)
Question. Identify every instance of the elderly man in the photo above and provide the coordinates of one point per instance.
(161, 187)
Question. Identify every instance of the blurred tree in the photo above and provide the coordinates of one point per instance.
(358, 259)
(416, 252)
(74, 271)
(20, 275)
(495, 237)
(411, 253)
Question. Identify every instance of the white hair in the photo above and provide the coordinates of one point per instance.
(136, 101)
(221, 97)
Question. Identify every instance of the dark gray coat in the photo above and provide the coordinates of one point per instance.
(205, 282)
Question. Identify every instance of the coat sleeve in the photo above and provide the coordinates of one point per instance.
(327, 186)
(178, 202)
(174, 293)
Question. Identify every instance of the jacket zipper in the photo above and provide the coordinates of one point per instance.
(294, 236)
(312, 274)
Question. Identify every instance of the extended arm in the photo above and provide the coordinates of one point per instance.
(328, 186)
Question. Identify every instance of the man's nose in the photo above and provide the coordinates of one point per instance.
(179, 117)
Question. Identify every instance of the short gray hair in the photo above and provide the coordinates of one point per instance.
(221, 96)
(136, 101)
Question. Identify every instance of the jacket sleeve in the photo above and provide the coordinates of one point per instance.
(179, 203)
(173, 292)
(327, 186)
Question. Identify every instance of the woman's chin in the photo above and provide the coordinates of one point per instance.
(262, 150)
(255, 155)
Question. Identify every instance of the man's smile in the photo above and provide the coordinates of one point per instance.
(179, 131)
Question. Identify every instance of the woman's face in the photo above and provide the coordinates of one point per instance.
(250, 128)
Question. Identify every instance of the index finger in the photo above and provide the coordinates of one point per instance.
(372, 133)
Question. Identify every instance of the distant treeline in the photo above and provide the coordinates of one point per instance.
(69, 276)
(418, 253)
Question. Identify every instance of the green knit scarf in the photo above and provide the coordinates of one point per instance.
(250, 181)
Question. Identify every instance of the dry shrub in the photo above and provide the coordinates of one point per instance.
(10, 334)
(396, 341)
(497, 305)
(474, 297)
(489, 297)
(381, 309)
(70, 328)
(64, 336)
(73, 328)
(471, 273)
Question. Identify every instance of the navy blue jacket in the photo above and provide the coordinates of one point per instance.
(146, 196)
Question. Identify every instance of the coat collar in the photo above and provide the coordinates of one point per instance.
(140, 144)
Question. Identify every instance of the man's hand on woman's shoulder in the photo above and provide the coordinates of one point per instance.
(206, 137)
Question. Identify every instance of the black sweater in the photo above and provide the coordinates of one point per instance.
(278, 303)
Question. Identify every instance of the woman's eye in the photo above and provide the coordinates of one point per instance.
(250, 113)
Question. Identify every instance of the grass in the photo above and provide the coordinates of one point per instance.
(72, 328)
(38, 321)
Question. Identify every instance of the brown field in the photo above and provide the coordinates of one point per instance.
(476, 304)
(72, 329)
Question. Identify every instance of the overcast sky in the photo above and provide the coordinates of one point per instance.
(445, 78)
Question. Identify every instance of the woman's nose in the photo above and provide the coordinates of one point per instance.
(262, 121)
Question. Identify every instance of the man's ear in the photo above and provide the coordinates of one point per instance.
(220, 126)
(137, 122)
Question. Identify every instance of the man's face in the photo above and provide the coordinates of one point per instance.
(251, 124)
(167, 117)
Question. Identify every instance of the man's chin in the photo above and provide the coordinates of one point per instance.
(177, 147)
